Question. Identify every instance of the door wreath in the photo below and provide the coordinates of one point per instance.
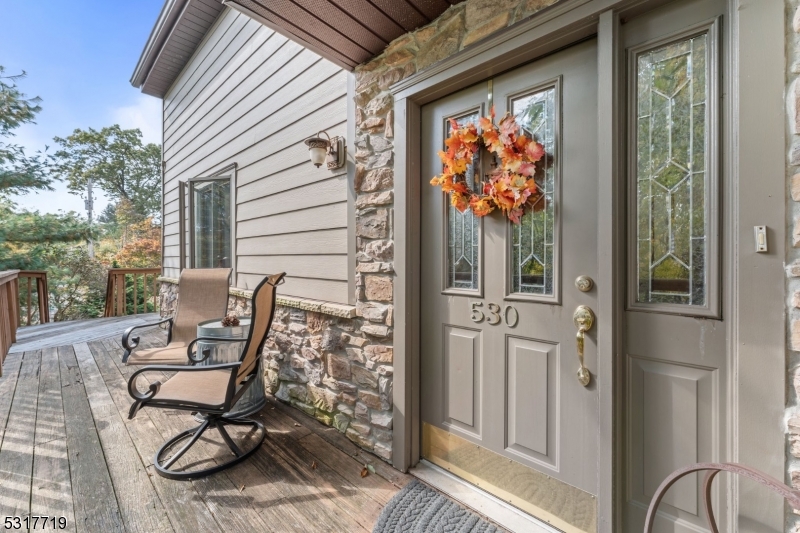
(511, 186)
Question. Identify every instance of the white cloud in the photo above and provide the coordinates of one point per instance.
(145, 114)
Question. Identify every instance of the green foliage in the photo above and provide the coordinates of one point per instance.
(18, 173)
(127, 170)
(77, 283)
(118, 162)
(25, 236)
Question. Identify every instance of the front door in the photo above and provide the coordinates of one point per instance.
(501, 402)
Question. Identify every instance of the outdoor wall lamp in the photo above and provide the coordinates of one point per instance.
(332, 149)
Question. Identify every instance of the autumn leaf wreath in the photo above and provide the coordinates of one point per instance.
(511, 184)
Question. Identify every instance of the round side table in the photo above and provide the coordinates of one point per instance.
(229, 352)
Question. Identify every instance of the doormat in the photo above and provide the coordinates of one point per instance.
(420, 509)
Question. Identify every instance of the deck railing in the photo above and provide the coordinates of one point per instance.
(9, 312)
(127, 290)
(35, 311)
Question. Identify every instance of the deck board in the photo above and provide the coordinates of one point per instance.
(16, 453)
(51, 487)
(68, 449)
(94, 501)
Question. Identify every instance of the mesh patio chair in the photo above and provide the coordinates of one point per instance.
(202, 295)
(211, 391)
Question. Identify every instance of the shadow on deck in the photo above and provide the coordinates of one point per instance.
(67, 449)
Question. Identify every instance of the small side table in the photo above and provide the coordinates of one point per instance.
(229, 352)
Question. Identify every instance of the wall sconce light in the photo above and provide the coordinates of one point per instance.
(331, 150)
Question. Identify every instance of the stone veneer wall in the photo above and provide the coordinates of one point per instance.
(324, 365)
(793, 252)
(339, 369)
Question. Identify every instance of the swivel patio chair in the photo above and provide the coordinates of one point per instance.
(202, 295)
(211, 391)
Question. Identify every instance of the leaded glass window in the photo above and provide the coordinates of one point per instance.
(533, 240)
(672, 181)
(463, 229)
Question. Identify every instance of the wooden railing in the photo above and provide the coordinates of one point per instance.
(9, 312)
(35, 311)
(123, 294)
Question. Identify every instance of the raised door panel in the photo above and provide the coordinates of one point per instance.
(532, 399)
(672, 423)
(462, 379)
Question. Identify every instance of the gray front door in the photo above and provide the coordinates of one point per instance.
(501, 402)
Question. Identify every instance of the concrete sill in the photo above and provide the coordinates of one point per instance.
(306, 304)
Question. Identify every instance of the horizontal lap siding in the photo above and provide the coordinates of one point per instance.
(250, 96)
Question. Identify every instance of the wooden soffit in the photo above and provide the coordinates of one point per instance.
(346, 32)
(180, 28)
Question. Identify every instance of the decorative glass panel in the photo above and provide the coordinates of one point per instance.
(533, 240)
(463, 229)
(211, 231)
(671, 149)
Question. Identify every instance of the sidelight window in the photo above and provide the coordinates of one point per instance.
(675, 241)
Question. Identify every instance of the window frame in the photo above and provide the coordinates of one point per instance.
(228, 173)
(712, 307)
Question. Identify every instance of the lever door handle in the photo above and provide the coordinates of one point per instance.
(584, 320)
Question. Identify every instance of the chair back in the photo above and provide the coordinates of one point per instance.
(202, 295)
(260, 321)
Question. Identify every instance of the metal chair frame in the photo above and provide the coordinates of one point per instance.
(712, 469)
(212, 416)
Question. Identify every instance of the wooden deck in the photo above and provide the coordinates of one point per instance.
(68, 449)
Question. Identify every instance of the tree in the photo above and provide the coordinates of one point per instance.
(143, 248)
(117, 161)
(18, 173)
(77, 283)
(25, 235)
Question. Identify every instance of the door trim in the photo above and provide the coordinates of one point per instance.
(563, 24)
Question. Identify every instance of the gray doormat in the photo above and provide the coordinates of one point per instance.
(420, 509)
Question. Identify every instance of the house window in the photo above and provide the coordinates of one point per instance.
(211, 222)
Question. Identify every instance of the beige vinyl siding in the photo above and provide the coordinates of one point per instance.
(249, 97)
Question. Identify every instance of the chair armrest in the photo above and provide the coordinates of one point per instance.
(126, 340)
(193, 357)
(142, 398)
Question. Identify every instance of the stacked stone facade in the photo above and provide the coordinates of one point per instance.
(330, 367)
(793, 253)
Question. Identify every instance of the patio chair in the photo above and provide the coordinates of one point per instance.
(210, 391)
(202, 295)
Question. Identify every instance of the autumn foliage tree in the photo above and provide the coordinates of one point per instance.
(143, 247)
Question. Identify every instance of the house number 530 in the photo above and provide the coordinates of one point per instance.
(495, 314)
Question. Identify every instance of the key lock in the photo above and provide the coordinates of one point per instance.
(584, 320)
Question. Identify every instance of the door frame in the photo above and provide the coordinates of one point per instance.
(556, 27)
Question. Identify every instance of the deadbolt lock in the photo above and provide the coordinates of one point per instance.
(584, 320)
(584, 283)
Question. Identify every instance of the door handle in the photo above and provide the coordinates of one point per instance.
(584, 320)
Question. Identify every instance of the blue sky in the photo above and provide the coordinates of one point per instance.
(79, 56)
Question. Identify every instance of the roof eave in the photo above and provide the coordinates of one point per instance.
(161, 30)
